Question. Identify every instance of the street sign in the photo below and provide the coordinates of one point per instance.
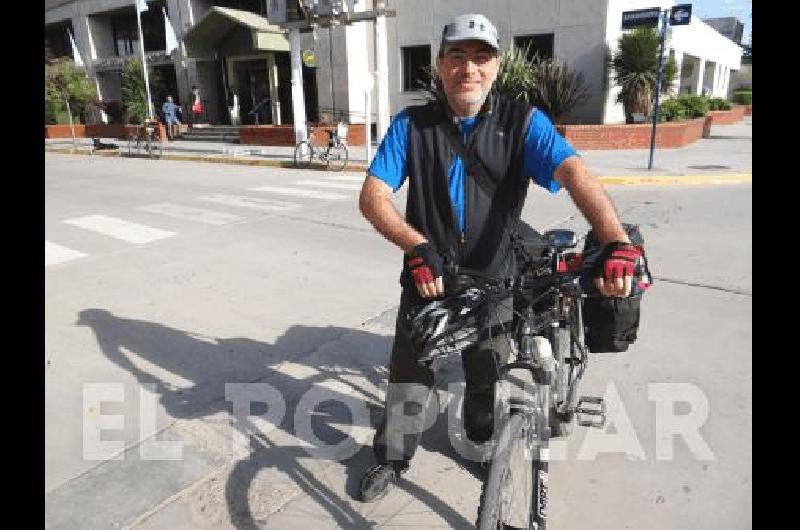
(680, 15)
(309, 58)
(641, 17)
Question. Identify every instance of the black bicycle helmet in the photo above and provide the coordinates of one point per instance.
(449, 324)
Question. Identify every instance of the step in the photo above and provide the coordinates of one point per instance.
(220, 138)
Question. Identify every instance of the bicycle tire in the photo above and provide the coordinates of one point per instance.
(514, 497)
(337, 157)
(303, 154)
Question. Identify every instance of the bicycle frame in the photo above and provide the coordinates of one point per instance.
(550, 372)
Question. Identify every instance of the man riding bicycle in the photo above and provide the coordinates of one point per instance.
(468, 158)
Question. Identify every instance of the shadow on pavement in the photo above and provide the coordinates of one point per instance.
(318, 355)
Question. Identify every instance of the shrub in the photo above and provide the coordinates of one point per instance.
(743, 97)
(671, 110)
(718, 104)
(694, 106)
(64, 82)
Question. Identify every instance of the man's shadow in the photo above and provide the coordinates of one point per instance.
(202, 365)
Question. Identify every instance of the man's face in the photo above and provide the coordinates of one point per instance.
(468, 70)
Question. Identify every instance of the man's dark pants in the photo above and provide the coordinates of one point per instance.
(410, 387)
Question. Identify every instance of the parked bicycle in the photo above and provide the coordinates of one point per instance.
(334, 155)
(548, 339)
(146, 138)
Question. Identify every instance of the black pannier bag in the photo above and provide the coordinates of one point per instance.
(611, 323)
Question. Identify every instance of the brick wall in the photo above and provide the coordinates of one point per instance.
(284, 134)
(98, 131)
(727, 117)
(63, 131)
(266, 135)
(632, 136)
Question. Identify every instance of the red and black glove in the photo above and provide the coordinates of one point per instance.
(425, 263)
(621, 259)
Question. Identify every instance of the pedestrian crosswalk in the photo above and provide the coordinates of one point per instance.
(251, 202)
(299, 192)
(120, 228)
(200, 215)
(55, 254)
(285, 196)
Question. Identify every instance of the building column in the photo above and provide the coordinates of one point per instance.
(726, 79)
(698, 76)
(272, 69)
(382, 69)
(676, 84)
(298, 98)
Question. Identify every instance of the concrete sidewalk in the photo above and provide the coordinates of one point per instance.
(726, 156)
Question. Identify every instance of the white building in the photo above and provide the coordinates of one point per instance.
(239, 49)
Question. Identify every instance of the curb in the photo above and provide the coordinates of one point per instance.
(631, 180)
(740, 178)
(214, 159)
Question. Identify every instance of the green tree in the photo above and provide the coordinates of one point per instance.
(134, 93)
(66, 86)
(635, 70)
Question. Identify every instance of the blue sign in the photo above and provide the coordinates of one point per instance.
(680, 15)
(641, 17)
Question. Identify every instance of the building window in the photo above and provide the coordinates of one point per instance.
(126, 35)
(415, 60)
(259, 7)
(126, 31)
(56, 40)
(541, 45)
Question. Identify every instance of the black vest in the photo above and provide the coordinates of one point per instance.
(497, 141)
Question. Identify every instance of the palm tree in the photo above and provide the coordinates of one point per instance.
(557, 89)
(635, 68)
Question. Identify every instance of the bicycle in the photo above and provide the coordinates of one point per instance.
(146, 137)
(550, 356)
(334, 156)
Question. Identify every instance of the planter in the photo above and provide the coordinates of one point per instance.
(633, 136)
(727, 117)
(63, 131)
(284, 134)
(99, 130)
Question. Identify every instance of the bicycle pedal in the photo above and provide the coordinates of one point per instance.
(591, 412)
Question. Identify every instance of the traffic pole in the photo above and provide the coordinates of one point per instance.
(664, 18)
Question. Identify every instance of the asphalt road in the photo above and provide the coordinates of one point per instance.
(165, 280)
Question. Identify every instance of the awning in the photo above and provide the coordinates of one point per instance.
(219, 21)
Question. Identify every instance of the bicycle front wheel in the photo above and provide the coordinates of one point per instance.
(515, 493)
(303, 154)
(337, 157)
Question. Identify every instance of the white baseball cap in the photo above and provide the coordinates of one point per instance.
(473, 26)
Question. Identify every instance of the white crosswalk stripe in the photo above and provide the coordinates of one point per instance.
(251, 202)
(199, 215)
(119, 228)
(55, 254)
(333, 185)
(345, 178)
(298, 192)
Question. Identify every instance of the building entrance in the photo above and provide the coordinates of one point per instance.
(252, 88)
